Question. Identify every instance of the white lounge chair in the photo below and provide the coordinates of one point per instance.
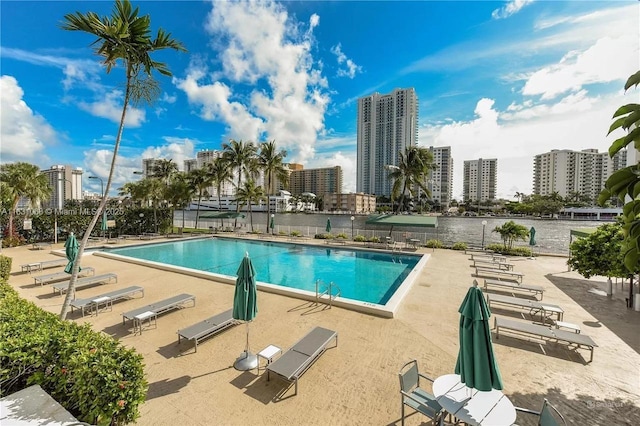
(535, 289)
(105, 298)
(294, 362)
(39, 266)
(208, 327)
(151, 311)
(59, 276)
(85, 282)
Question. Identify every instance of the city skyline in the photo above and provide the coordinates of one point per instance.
(505, 80)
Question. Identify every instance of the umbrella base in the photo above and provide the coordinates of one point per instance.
(246, 361)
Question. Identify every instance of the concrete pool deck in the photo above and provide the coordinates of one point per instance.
(357, 383)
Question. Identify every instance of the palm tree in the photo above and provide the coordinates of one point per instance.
(248, 194)
(413, 167)
(179, 194)
(241, 156)
(164, 170)
(200, 179)
(271, 161)
(123, 37)
(221, 174)
(23, 180)
(510, 232)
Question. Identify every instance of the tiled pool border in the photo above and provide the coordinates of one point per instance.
(387, 310)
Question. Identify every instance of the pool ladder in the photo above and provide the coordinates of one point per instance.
(327, 292)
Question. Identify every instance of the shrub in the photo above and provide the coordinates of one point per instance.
(89, 373)
(514, 251)
(282, 233)
(5, 268)
(14, 241)
(374, 240)
(459, 246)
(324, 236)
(434, 244)
(342, 235)
(359, 239)
(295, 233)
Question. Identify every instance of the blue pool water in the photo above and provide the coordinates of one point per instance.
(361, 275)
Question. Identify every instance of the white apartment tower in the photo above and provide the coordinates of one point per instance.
(148, 165)
(480, 180)
(387, 124)
(440, 181)
(66, 184)
(569, 172)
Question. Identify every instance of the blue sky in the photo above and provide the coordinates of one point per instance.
(504, 80)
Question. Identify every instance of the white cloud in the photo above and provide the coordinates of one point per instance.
(524, 130)
(512, 7)
(111, 108)
(605, 61)
(271, 50)
(97, 162)
(24, 134)
(351, 68)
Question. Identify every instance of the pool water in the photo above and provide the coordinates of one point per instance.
(361, 275)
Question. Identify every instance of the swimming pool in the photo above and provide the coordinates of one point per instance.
(367, 277)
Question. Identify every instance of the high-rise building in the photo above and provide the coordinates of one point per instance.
(317, 181)
(66, 184)
(207, 156)
(440, 181)
(387, 125)
(148, 165)
(190, 164)
(480, 180)
(568, 172)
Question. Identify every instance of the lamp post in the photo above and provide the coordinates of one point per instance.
(271, 224)
(141, 215)
(484, 224)
(103, 211)
(352, 219)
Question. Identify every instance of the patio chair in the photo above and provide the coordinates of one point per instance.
(412, 395)
(547, 416)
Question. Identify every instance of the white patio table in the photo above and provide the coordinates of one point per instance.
(472, 406)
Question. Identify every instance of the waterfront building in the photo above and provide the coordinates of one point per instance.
(480, 180)
(386, 125)
(148, 165)
(326, 180)
(569, 172)
(440, 180)
(66, 184)
(190, 164)
(351, 202)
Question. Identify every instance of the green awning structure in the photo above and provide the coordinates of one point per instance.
(221, 215)
(403, 220)
(582, 232)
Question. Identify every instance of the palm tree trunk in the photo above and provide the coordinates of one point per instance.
(235, 221)
(198, 208)
(219, 188)
(103, 202)
(12, 216)
(268, 200)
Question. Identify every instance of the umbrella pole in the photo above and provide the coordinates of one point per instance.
(246, 361)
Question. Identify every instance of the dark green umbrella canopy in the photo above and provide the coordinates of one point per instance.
(476, 364)
(103, 225)
(532, 236)
(71, 249)
(328, 228)
(245, 305)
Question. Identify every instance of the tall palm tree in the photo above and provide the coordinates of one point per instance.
(413, 167)
(179, 194)
(221, 174)
(123, 37)
(164, 170)
(271, 162)
(249, 193)
(23, 180)
(241, 156)
(200, 179)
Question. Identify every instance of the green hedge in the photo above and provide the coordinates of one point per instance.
(459, 246)
(89, 373)
(5, 268)
(514, 251)
(434, 244)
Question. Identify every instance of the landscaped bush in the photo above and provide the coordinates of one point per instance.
(295, 233)
(282, 233)
(324, 236)
(342, 235)
(5, 268)
(459, 246)
(89, 373)
(374, 240)
(359, 239)
(514, 251)
(434, 244)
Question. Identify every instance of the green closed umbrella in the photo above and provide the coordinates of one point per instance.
(272, 224)
(476, 363)
(532, 236)
(71, 249)
(103, 224)
(328, 228)
(245, 308)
